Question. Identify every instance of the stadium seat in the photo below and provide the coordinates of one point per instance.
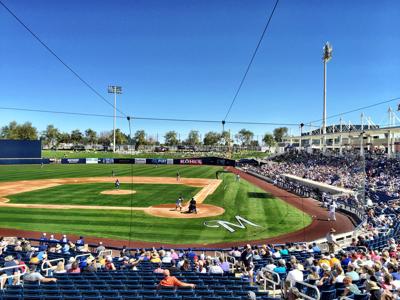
(328, 295)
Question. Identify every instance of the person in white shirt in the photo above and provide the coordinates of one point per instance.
(294, 275)
(215, 268)
(330, 239)
(332, 212)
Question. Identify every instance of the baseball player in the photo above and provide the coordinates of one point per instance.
(332, 211)
(178, 203)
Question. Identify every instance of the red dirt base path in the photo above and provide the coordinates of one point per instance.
(317, 229)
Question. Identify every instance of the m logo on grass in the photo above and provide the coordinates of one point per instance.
(228, 225)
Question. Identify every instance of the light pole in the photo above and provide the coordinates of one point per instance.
(327, 55)
(301, 136)
(114, 89)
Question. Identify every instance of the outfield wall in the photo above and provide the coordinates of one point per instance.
(20, 149)
(24, 161)
(213, 161)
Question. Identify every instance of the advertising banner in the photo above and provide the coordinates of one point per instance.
(157, 161)
(170, 161)
(92, 160)
(140, 161)
(191, 162)
(106, 160)
(124, 160)
(73, 160)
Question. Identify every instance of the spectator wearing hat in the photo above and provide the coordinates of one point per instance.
(43, 238)
(90, 265)
(18, 246)
(373, 288)
(68, 266)
(80, 242)
(9, 261)
(53, 239)
(330, 239)
(64, 239)
(100, 247)
(109, 265)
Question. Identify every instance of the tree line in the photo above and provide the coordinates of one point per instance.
(52, 136)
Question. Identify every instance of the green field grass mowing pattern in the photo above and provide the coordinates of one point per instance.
(237, 198)
(29, 172)
(89, 194)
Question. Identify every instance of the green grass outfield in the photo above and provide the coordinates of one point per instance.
(27, 172)
(237, 198)
(89, 194)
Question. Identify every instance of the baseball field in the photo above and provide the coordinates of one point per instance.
(82, 200)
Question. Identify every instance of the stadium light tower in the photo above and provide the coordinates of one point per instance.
(327, 55)
(114, 89)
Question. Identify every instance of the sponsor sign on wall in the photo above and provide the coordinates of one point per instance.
(92, 160)
(170, 161)
(158, 161)
(124, 160)
(107, 160)
(191, 162)
(73, 160)
(140, 161)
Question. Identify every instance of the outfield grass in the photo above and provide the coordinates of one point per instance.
(238, 198)
(89, 194)
(27, 172)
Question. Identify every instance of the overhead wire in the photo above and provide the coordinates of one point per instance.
(357, 109)
(52, 52)
(145, 118)
(251, 60)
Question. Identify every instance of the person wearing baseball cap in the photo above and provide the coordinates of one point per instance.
(330, 239)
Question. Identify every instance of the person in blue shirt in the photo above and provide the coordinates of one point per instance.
(80, 242)
(281, 268)
(315, 248)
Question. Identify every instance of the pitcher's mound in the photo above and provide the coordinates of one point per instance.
(168, 211)
(117, 192)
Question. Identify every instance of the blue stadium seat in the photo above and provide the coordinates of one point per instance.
(361, 297)
(328, 295)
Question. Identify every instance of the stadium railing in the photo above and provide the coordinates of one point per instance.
(273, 278)
(50, 266)
(19, 275)
(311, 291)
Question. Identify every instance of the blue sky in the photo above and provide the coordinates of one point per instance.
(185, 59)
